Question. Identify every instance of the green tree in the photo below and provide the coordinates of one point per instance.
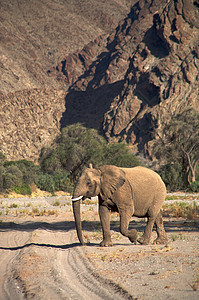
(179, 143)
(77, 146)
(28, 169)
(49, 160)
(119, 154)
(12, 177)
(2, 158)
(2, 171)
(62, 181)
(172, 176)
(45, 182)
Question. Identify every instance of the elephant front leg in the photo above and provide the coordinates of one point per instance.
(124, 225)
(104, 214)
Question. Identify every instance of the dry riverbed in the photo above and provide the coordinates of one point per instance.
(40, 257)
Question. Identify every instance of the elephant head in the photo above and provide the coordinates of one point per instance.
(94, 182)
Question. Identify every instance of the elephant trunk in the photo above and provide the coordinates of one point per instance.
(77, 216)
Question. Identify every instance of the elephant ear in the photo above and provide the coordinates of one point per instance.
(112, 178)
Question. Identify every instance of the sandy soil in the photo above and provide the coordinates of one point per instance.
(40, 257)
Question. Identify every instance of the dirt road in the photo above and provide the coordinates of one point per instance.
(40, 257)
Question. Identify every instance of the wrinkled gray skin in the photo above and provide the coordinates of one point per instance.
(130, 191)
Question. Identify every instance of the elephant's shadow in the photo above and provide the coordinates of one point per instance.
(66, 226)
(93, 226)
(170, 226)
(89, 226)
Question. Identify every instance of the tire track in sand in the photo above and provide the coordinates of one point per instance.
(10, 239)
(47, 264)
(82, 280)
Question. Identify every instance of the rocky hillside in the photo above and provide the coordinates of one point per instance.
(123, 67)
(34, 36)
(29, 119)
(145, 71)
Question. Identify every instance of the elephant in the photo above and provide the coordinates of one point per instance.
(136, 191)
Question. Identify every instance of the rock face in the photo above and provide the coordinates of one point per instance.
(34, 36)
(146, 72)
(29, 121)
(130, 77)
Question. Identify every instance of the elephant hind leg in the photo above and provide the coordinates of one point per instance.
(162, 236)
(145, 238)
(124, 225)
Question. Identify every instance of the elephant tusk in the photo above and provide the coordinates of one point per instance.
(76, 199)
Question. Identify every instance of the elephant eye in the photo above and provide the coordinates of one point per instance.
(89, 183)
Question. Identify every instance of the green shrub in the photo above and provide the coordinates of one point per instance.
(2, 158)
(12, 177)
(23, 189)
(119, 154)
(194, 187)
(172, 176)
(58, 181)
(60, 164)
(2, 170)
(77, 146)
(51, 163)
(62, 182)
(28, 168)
(45, 182)
(179, 142)
(17, 175)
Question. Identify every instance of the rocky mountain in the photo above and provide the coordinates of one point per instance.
(34, 36)
(122, 67)
(145, 71)
(30, 119)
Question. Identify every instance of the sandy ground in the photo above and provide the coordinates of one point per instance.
(40, 257)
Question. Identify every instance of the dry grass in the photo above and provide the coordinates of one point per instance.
(185, 210)
(180, 196)
(36, 193)
(34, 211)
(90, 201)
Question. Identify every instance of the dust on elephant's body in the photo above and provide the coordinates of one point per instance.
(130, 191)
